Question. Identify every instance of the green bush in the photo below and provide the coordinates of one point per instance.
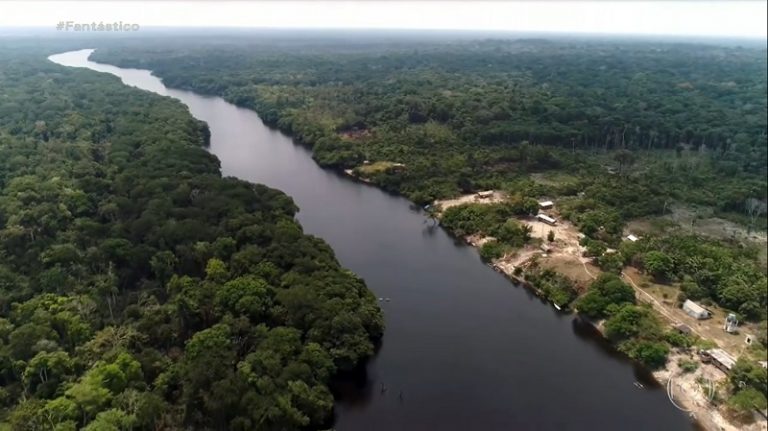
(555, 287)
(687, 365)
(746, 401)
(652, 354)
(607, 290)
(492, 250)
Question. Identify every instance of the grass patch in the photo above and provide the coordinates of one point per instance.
(375, 168)
(688, 365)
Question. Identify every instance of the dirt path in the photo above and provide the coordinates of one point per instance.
(592, 276)
(655, 303)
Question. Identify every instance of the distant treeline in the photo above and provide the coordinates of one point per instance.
(475, 114)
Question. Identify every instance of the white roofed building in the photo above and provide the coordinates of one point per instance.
(546, 219)
(695, 310)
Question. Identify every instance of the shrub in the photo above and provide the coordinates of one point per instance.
(492, 250)
(687, 365)
(606, 290)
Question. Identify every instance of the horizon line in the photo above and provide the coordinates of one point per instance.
(48, 29)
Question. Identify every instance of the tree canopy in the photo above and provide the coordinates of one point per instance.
(633, 126)
(141, 290)
(673, 121)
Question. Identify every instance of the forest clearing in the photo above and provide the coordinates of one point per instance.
(566, 256)
(443, 204)
(692, 392)
(663, 297)
(559, 248)
(702, 221)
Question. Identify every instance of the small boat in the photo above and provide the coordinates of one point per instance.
(639, 385)
(557, 306)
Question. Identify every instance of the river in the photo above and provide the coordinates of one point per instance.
(464, 349)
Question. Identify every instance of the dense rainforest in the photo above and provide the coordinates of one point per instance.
(141, 290)
(615, 131)
(125, 256)
(479, 114)
(633, 127)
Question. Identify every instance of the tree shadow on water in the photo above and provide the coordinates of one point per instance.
(354, 387)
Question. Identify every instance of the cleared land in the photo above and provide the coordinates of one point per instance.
(692, 392)
(376, 167)
(701, 222)
(565, 255)
(663, 298)
(469, 199)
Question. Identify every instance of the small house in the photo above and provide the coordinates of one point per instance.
(695, 310)
(484, 194)
(633, 238)
(545, 205)
(546, 219)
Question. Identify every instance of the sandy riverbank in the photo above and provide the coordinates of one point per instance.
(692, 392)
(687, 393)
(565, 255)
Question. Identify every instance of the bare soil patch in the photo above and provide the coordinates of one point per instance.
(444, 204)
(575, 268)
(692, 392)
(665, 297)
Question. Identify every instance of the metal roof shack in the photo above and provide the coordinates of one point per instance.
(484, 194)
(633, 238)
(546, 219)
(546, 204)
(719, 358)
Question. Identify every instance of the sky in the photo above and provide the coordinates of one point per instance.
(694, 18)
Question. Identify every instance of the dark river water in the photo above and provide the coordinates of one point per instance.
(468, 349)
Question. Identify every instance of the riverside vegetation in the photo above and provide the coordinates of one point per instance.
(631, 126)
(141, 290)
